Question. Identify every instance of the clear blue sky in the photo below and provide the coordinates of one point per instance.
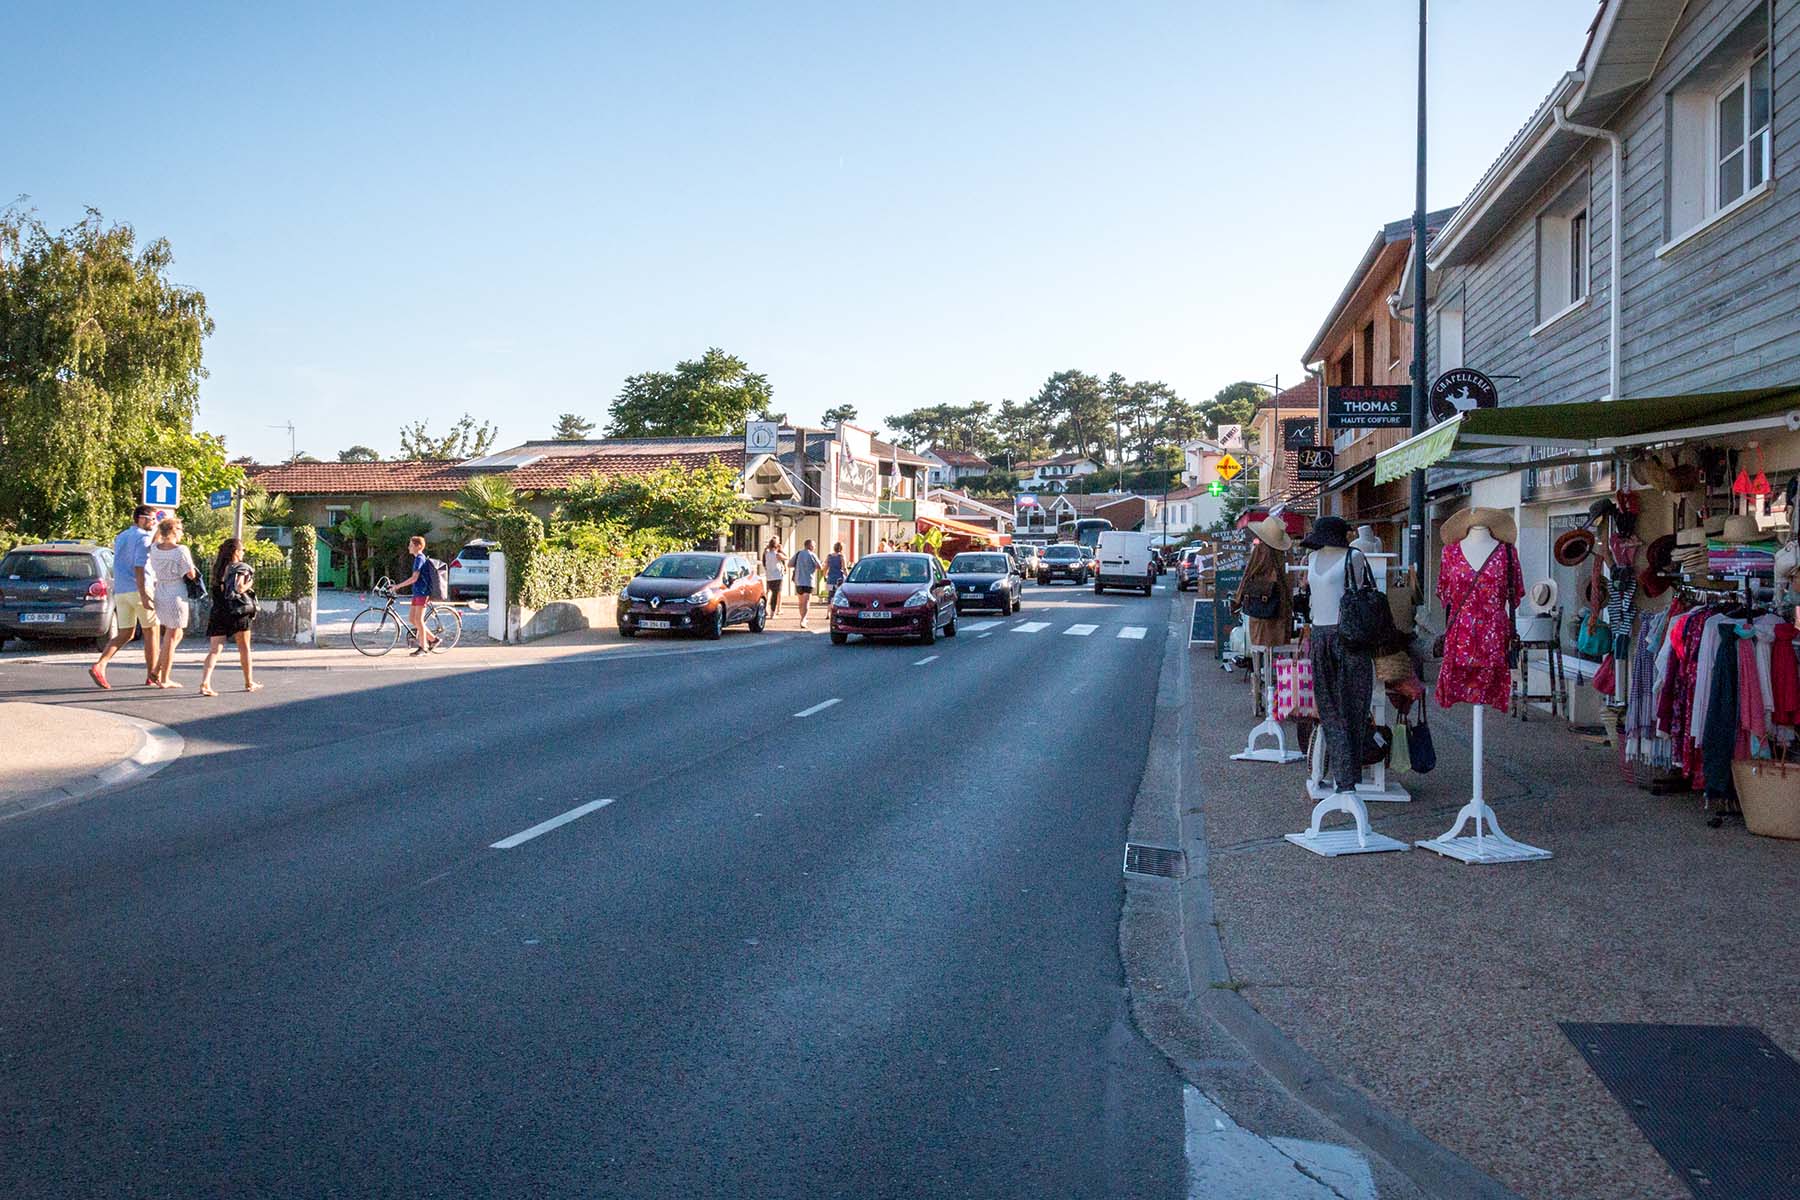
(509, 208)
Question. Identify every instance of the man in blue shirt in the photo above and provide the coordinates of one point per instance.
(131, 593)
(419, 584)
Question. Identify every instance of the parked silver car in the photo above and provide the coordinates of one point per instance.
(57, 590)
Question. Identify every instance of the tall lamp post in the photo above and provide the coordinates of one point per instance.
(1415, 507)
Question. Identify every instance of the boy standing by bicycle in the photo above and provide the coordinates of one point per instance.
(419, 583)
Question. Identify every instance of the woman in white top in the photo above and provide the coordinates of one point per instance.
(169, 569)
(774, 565)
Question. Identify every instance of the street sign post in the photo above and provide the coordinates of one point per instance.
(219, 499)
(162, 486)
(1229, 468)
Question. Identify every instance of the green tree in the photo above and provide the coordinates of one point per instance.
(1076, 402)
(841, 414)
(571, 428)
(1233, 405)
(359, 454)
(696, 506)
(100, 369)
(466, 439)
(476, 509)
(713, 394)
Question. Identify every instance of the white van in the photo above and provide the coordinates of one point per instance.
(1127, 560)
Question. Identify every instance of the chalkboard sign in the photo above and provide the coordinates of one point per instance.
(1213, 618)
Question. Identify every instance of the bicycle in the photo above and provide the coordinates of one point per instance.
(378, 628)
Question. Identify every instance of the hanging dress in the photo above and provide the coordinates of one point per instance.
(1475, 639)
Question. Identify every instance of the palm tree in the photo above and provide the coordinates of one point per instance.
(357, 534)
(477, 508)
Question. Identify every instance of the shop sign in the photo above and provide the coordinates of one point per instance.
(761, 437)
(856, 480)
(1299, 432)
(1567, 481)
(1459, 390)
(1314, 464)
(1379, 406)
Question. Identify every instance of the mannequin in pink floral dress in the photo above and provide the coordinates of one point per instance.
(1473, 584)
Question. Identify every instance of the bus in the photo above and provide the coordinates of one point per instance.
(1083, 531)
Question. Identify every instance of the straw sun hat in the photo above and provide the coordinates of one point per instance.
(1499, 522)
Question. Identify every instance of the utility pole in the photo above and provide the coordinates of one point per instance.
(237, 519)
(1415, 508)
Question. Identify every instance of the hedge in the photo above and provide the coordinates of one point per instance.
(305, 561)
(575, 561)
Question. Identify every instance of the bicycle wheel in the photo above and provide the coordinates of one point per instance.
(374, 632)
(444, 624)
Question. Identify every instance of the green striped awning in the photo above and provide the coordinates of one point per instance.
(1596, 425)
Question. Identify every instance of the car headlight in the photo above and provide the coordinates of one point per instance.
(918, 599)
(705, 596)
(997, 585)
(839, 600)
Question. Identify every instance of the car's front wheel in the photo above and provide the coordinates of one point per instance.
(950, 629)
(714, 629)
(627, 631)
(930, 635)
(838, 639)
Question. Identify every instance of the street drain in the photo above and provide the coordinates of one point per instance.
(1160, 861)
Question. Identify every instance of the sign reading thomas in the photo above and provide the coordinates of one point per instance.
(162, 486)
(1459, 390)
(1374, 406)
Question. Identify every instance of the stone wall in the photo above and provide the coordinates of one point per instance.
(562, 616)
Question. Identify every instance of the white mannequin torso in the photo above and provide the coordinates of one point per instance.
(1325, 580)
(1477, 545)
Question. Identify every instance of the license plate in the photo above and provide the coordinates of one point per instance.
(43, 618)
(971, 595)
(477, 570)
(654, 624)
(878, 616)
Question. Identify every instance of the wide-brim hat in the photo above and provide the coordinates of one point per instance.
(1328, 531)
(1573, 547)
(1543, 595)
(1742, 527)
(1659, 554)
(1652, 583)
(1499, 522)
(1271, 532)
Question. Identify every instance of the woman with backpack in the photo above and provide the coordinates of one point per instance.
(233, 611)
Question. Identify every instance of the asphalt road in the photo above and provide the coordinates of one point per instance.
(870, 951)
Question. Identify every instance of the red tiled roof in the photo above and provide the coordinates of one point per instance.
(959, 458)
(550, 472)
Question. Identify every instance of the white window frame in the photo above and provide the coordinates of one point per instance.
(336, 508)
(1564, 249)
(1580, 239)
(1716, 153)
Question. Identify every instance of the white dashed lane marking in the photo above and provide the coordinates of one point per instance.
(820, 707)
(543, 827)
(1079, 630)
(929, 658)
(1031, 626)
(1134, 632)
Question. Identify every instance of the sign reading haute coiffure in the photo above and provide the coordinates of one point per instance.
(1371, 406)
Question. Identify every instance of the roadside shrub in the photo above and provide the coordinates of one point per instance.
(306, 561)
(573, 559)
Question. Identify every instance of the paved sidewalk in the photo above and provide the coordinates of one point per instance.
(59, 752)
(1436, 987)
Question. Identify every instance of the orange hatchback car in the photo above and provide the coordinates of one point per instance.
(694, 591)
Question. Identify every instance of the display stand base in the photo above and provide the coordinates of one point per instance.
(1278, 753)
(1334, 842)
(1488, 844)
(1383, 791)
(1331, 843)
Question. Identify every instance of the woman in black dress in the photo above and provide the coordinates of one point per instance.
(233, 610)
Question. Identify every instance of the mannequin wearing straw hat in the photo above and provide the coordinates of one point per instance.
(1266, 599)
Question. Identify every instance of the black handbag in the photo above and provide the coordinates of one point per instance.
(196, 590)
(1262, 599)
(1419, 747)
(1365, 621)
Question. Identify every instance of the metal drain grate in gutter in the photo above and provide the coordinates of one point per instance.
(1162, 862)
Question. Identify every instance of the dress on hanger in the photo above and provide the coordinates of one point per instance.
(1475, 670)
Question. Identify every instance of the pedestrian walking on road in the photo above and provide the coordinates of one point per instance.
(836, 567)
(233, 610)
(419, 585)
(170, 567)
(774, 564)
(133, 602)
(806, 573)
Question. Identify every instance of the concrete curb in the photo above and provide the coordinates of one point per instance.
(1171, 781)
(158, 746)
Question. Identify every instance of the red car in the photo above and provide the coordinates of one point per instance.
(894, 595)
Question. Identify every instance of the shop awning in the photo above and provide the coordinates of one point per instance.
(1594, 425)
(986, 537)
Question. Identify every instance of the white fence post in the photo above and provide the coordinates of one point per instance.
(497, 598)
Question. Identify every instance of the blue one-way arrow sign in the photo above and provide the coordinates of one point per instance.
(162, 486)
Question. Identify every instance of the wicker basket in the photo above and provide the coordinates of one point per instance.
(1393, 668)
(1769, 793)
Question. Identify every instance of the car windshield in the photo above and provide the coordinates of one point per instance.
(1061, 553)
(884, 569)
(37, 566)
(978, 564)
(682, 566)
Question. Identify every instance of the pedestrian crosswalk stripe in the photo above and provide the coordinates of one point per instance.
(1079, 630)
(1135, 632)
(978, 626)
(1030, 626)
